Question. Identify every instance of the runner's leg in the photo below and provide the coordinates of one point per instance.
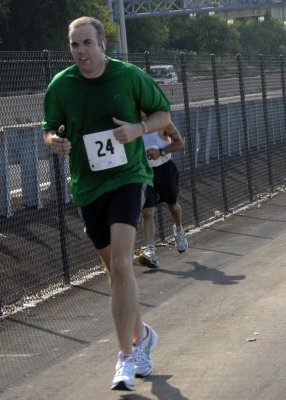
(148, 224)
(124, 291)
(176, 212)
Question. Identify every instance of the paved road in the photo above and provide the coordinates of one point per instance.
(206, 305)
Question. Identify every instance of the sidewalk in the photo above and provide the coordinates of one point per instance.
(219, 311)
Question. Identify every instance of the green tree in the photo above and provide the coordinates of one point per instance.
(267, 37)
(4, 9)
(36, 25)
(146, 34)
(204, 34)
(4, 12)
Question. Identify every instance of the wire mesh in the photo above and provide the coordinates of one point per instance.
(230, 112)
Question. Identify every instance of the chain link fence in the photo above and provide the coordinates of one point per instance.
(231, 113)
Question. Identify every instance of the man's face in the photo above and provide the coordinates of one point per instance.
(86, 51)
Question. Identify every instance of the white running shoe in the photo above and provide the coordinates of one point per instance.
(144, 364)
(181, 242)
(124, 378)
(148, 257)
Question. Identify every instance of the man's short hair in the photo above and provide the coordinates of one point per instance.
(89, 21)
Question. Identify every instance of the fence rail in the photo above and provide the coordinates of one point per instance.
(230, 111)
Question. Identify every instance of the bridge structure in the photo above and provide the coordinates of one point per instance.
(225, 8)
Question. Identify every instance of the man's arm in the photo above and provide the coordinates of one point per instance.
(157, 120)
(175, 136)
(176, 144)
(127, 132)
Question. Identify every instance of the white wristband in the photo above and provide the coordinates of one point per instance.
(145, 128)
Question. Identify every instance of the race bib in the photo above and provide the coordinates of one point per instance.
(104, 151)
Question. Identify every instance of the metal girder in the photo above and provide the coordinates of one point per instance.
(157, 8)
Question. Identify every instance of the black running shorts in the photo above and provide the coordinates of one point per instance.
(166, 185)
(122, 205)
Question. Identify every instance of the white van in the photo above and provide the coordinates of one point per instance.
(163, 73)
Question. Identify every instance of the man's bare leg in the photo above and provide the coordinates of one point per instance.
(176, 211)
(124, 291)
(148, 225)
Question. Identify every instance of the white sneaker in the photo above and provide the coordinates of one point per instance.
(148, 257)
(144, 364)
(181, 242)
(124, 378)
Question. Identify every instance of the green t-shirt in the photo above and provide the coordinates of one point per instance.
(88, 105)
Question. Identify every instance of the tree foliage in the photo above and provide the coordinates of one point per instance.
(4, 12)
(206, 34)
(267, 37)
(41, 24)
(146, 34)
(4, 9)
(36, 25)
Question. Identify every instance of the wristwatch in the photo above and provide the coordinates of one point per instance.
(162, 152)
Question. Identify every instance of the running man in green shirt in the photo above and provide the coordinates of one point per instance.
(96, 103)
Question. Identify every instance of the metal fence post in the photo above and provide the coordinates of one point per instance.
(219, 133)
(5, 196)
(266, 124)
(244, 124)
(161, 224)
(59, 190)
(161, 227)
(147, 61)
(189, 137)
(283, 86)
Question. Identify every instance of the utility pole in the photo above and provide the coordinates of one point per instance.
(122, 28)
(119, 48)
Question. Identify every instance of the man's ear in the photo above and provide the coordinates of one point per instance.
(103, 44)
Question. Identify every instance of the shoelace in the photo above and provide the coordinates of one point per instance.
(139, 354)
(121, 366)
(180, 238)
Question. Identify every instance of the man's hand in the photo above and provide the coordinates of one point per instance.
(153, 154)
(126, 132)
(59, 145)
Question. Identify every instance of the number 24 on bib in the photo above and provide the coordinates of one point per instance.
(104, 151)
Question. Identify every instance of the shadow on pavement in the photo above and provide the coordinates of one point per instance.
(49, 331)
(160, 388)
(201, 273)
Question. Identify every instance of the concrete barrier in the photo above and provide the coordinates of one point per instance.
(23, 145)
(204, 130)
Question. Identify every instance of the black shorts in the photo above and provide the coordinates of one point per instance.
(122, 205)
(166, 185)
